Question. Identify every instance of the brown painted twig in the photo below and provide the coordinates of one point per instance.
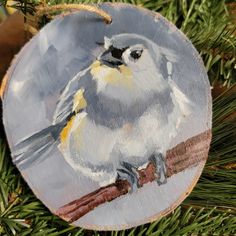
(185, 155)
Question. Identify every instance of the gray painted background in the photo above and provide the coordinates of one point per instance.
(46, 64)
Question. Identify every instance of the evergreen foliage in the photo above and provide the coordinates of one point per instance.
(211, 207)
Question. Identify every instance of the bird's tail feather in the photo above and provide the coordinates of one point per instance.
(36, 147)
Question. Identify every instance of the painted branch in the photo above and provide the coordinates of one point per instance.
(185, 155)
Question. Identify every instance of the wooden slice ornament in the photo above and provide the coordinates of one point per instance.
(108, 122)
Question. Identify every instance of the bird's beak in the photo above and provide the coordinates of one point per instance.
(107, 59)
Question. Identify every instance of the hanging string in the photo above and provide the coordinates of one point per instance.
(80, 7)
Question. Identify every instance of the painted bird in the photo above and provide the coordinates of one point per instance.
(115, 116)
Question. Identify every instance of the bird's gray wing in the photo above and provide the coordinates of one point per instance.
(71, 100)
(36, 147)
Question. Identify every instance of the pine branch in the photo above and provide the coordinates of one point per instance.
(210, 28)
(217, 185)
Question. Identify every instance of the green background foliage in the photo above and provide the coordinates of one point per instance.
(211, 207)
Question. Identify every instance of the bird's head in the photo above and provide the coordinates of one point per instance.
(129, 68)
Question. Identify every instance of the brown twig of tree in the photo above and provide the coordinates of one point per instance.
(185, 155)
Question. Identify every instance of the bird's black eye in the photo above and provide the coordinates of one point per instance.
(136, 54)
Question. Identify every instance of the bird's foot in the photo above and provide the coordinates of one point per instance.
(158, 161)
(130, 173)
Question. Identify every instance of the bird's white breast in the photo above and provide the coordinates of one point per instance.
(91, 145)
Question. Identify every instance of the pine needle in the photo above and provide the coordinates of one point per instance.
(211, 207)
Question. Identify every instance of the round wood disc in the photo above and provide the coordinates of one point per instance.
(109, 124)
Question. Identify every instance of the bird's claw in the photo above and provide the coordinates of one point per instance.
(158, 161)
(130, 173)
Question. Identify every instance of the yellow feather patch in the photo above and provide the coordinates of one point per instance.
(121, 77)
(65, 132)
(79, 101)
(125, 71)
